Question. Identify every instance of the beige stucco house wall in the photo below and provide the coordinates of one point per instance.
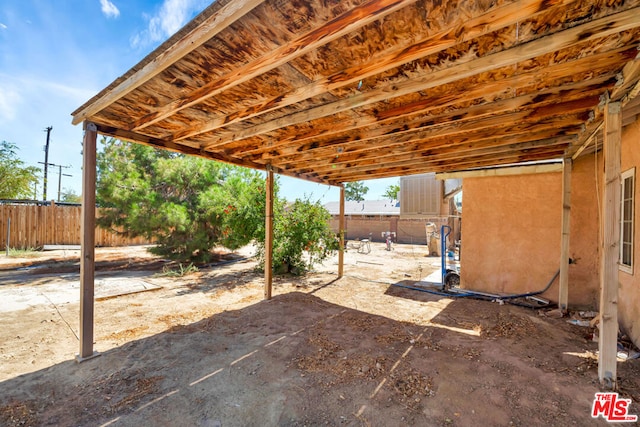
(584, 248)
(511, 234)
(512, 229)
(629, 289)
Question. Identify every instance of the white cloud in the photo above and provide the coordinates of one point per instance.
(172, 15)
(3, 26)
(10, 101)
(109, 9)
(16, 90)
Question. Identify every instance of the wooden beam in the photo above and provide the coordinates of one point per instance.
(87, 231)
(629, 76)
(502, 113)
(516, 156)
(338, 27)
(586, 143)
(450, 145)
(627, 87)
(595, 69)
(204, 32)
(184, 149)
(449, 139)
(503, 171)
(453, 155)
(471, 163)
(481, 23)
(563, 297)
(268, 238)
(568, 38)
(341, 231)
(607, 344)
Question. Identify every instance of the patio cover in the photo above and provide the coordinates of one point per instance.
(334, 91)
(343, 90)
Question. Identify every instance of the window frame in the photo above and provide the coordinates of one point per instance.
(627, 217)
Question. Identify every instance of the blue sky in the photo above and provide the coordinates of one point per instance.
(57, 54)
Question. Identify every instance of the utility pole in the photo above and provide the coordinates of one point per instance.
(46, 163)
(60, 174)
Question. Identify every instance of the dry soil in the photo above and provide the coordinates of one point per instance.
(205, 349)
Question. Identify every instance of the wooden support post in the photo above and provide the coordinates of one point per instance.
(341, 234)
(268, 238)
(87, 253)
(563, 298)
(8, 234)
(611, 250)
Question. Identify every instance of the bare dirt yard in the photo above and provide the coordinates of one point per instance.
(205, 349)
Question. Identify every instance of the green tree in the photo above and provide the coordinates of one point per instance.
(355, 191)
(70, 196)
(189, 205)
(178, 200)
(392, 191)
(17, 180)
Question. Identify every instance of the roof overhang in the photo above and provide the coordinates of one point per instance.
(337, 91)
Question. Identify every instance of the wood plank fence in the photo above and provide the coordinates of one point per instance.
(34, 225)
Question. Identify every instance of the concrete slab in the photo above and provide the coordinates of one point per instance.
(67, 290)
(113, 287)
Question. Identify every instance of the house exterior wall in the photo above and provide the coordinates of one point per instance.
(520, 217)
(511, 233)
(629, 284)
(512, 229)
(584, 246)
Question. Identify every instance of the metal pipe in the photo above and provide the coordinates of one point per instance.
(511, 296)
(442, 294)
(443, 249)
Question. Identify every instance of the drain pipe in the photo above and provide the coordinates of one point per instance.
(442, 294)
(530, 294)
(480, 295)
(514, 296)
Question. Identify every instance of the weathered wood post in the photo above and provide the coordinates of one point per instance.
(8, 233)
(563, 298)
(341, 234)
(87, 253)
(268, 238)
(607, 368)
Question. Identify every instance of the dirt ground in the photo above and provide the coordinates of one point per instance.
(205, 349)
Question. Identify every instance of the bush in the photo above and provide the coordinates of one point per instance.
(302, 237)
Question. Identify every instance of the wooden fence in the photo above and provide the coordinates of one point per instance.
(35, 225)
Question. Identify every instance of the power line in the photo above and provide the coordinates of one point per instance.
(60, 175)
(46, 167)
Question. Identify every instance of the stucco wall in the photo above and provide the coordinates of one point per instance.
(629, 290)
(408, 230)
(584, 275)
(511, 233)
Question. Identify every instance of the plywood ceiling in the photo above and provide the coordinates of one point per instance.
(344, 90)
